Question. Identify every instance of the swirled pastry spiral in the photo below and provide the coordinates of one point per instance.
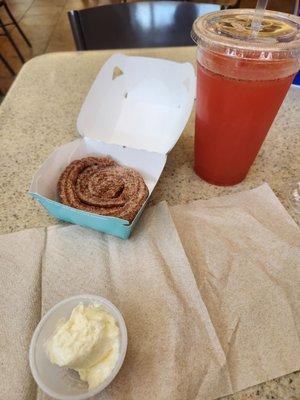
(102, 186)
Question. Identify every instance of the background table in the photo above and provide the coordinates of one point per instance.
(39, 114)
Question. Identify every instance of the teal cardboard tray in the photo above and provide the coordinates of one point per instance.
(135, 112)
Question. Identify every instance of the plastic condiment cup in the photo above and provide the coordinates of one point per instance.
(63, 383)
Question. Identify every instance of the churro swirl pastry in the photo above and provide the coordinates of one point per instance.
(102, 186)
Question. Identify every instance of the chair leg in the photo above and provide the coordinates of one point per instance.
(7, 34)
(16, 23)
(7, 65)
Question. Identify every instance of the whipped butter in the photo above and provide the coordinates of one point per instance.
(89, 343)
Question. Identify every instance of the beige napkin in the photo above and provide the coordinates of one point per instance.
(20, 309)
(180, 347)
(173, 352)
(244, 250)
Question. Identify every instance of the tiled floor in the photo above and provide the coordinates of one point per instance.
(46, 24)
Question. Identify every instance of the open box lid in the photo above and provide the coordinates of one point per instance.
(139, 102)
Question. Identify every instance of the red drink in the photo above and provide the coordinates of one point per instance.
(232, 119)
(241, 82)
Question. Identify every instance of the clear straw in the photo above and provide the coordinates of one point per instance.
(261, 5)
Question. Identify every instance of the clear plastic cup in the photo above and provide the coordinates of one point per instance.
(242, 80)
(62, 383)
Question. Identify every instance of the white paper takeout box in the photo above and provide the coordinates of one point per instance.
(134, 112)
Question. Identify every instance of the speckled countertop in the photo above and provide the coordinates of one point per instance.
(39, 114)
